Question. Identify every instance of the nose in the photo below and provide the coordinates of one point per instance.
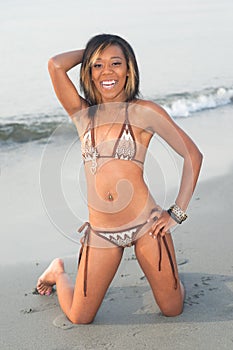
(107, 69)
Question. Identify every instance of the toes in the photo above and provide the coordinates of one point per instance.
(39, 284)
(43, 289)
(40, 287)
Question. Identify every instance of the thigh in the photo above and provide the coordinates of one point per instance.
(169, 299)
(101, 268)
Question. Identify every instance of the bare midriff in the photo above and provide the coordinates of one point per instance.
(117, 194)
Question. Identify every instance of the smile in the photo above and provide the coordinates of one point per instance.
(108, 84)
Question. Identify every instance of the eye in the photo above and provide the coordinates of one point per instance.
(117, 63)
(97, 65)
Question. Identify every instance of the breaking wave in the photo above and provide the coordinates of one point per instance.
(38, 127)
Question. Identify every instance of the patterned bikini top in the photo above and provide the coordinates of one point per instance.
(125, 147)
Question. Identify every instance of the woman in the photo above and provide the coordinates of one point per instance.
(115, 129)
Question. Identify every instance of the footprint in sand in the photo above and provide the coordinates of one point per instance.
(42, 307)
(206, 280)
(197, 292)
(62, 322)
(193, 298)
(182, 261)
(28, 311)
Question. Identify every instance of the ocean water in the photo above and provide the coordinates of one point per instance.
(185, 54)
(183, 49)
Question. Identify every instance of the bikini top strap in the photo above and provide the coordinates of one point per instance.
(126, 115)
(126, 124)
(92, 132)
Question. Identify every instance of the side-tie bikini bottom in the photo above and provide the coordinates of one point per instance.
(123, 238)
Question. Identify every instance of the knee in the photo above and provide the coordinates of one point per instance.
(172, 311)
(81, 319)
(175, 306)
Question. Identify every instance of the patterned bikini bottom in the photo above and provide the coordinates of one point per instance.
(123, 238)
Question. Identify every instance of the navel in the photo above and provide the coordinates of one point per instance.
(110, 197)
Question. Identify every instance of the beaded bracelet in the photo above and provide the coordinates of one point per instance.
(177, 214)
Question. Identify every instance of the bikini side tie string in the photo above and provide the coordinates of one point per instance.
(86, 226)
(160, 239)
(163, 239)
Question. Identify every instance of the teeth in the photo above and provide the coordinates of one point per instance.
(108, 83)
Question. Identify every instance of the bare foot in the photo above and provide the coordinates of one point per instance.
(47, 280)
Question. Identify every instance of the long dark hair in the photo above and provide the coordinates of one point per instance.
(95, 46)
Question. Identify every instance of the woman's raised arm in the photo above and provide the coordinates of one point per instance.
(65, 90)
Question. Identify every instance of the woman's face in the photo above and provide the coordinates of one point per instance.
(109, 73)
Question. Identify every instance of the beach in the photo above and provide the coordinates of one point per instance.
(185, 62)
(128, 317)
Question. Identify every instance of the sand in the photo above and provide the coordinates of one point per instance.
(129, 317)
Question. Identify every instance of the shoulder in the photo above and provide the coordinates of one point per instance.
(154, 117)
(152, 108)
(151, 105)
